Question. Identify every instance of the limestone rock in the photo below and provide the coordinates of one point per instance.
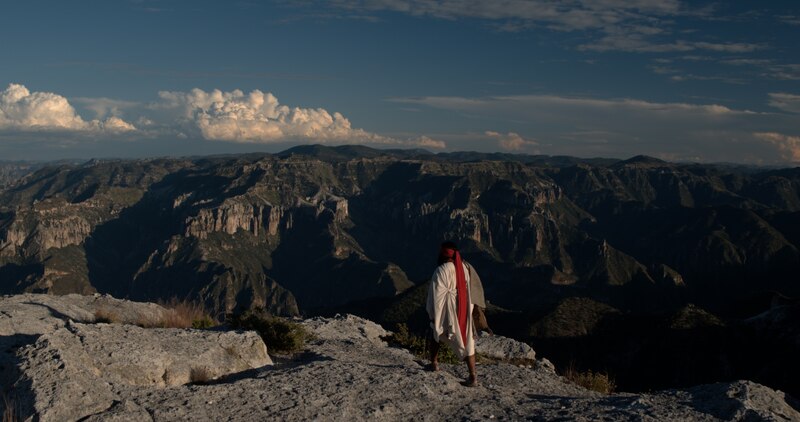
(98, 372)
(347, 328)
(39, 314)
(744, 401)
(503, 348)
(164, 357)
(544, 365)
(65, 370)
(82, 363)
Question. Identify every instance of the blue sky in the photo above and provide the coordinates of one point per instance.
(685, 81)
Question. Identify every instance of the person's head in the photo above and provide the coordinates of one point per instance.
(447, 252)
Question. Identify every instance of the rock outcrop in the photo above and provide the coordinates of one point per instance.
(56, 368)
(61, 369)
(504, 348)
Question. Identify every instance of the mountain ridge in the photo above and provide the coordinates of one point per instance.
(304, 234)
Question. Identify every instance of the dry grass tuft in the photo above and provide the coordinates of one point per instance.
(180, 314)
(106, 316)
(595, 381)
(10, 410)
(146, 321)
(200, 375)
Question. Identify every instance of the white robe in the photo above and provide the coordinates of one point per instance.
(442, 309)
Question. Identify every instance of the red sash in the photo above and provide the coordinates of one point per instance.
(462, 296)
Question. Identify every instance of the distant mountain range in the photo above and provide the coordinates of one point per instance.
(315, 229)
(301, 229)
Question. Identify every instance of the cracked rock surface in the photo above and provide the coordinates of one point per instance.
(58, 365)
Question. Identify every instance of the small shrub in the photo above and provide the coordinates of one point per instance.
(596, 381)
(418, 346)
(279, 334)
(103, 315)
(200, 375)
(204, 322)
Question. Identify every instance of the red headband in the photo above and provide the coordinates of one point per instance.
(447, 252)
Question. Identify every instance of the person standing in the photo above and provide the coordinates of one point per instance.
(450, 310)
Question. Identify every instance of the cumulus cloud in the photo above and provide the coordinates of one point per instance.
(26, 111)
(115, 124)
(21, 109)
(510, 141)
(259, 117)
(235, 116)
(789, 146)
(785, 102)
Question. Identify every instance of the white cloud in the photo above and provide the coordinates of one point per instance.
(115, 124)
(234, 116)
(259, 117)
(423, 141)
(789, 146)
(785, 102)
(21, 109)
(510, 141)
(25, 111)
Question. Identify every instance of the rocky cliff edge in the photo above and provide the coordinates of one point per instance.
(57, 363)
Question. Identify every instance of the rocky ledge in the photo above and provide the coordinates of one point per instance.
(59, 364)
